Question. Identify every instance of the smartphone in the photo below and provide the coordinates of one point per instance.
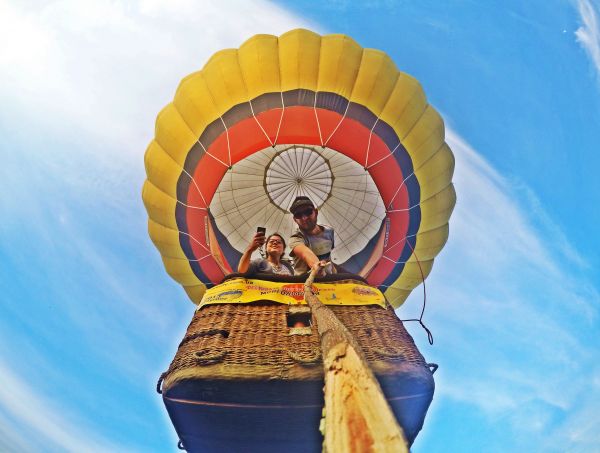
(261, 230)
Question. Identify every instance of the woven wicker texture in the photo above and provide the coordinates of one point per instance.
(253, 341)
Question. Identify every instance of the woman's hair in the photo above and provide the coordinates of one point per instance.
(280, 237)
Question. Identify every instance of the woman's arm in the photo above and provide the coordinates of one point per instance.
(257, 241)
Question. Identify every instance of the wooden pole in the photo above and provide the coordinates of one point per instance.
(357, 415)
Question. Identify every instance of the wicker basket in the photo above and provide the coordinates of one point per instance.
(242, 367)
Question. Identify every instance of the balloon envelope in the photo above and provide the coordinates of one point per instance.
(300, 114)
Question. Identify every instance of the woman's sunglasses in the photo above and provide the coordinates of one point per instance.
(306, 213)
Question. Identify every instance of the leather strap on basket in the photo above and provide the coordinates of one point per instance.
(312, 359)
(209, 356)
(389, 352)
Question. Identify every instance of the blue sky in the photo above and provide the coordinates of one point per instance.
(89, 318)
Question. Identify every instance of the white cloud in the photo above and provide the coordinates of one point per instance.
(83, 82)
(107, 67)
(588, 35)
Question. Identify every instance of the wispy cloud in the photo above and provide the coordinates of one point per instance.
(83, 82)
(107, 67)
(33, 422)
(588, 35)
(515, 318)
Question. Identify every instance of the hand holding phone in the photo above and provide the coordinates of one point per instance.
(259, 238)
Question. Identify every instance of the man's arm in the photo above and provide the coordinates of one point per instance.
(305, 254)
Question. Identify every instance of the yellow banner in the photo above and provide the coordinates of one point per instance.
(241, 290)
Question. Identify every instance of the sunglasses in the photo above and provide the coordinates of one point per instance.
(306, 213)
(274, 242)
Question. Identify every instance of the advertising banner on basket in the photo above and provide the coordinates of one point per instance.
(240, 290)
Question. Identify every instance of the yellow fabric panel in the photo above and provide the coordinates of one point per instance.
(425, 138)
(166, 240)
(241, 291)
(161, 169)
(436, 211)
(405, 105)
(195, 103)
(299, 59)
(180, 271)
(259, 63)
(396, 296)
(375, 81)
(160, 206)
(195, 293)
(429, 243)
(411, 274)
(223, 77)
(173, 134)
(436, 173)
(338, 64)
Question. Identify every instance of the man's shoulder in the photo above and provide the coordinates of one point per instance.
(297, 233)
(296, 238)
(326, 231)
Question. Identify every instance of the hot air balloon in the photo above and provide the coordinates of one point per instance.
(298, 114)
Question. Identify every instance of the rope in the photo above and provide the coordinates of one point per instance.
(280, 119)
(385, 157)
(317, 118)
(259, 125)
(215, 157)
(227, 136)
(338, 125)
(369, 144)
(420, 320)
(400, 187)
(194, 181)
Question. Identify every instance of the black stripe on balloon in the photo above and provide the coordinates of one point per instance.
(185, 242)
(209, 135)
(184, 181)
(361, 114)
(300, 97)
(231, 254)
(386, 133)
(237, 113)
(414, 220)
(326, 100)
(268, 101)
(332, 102)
